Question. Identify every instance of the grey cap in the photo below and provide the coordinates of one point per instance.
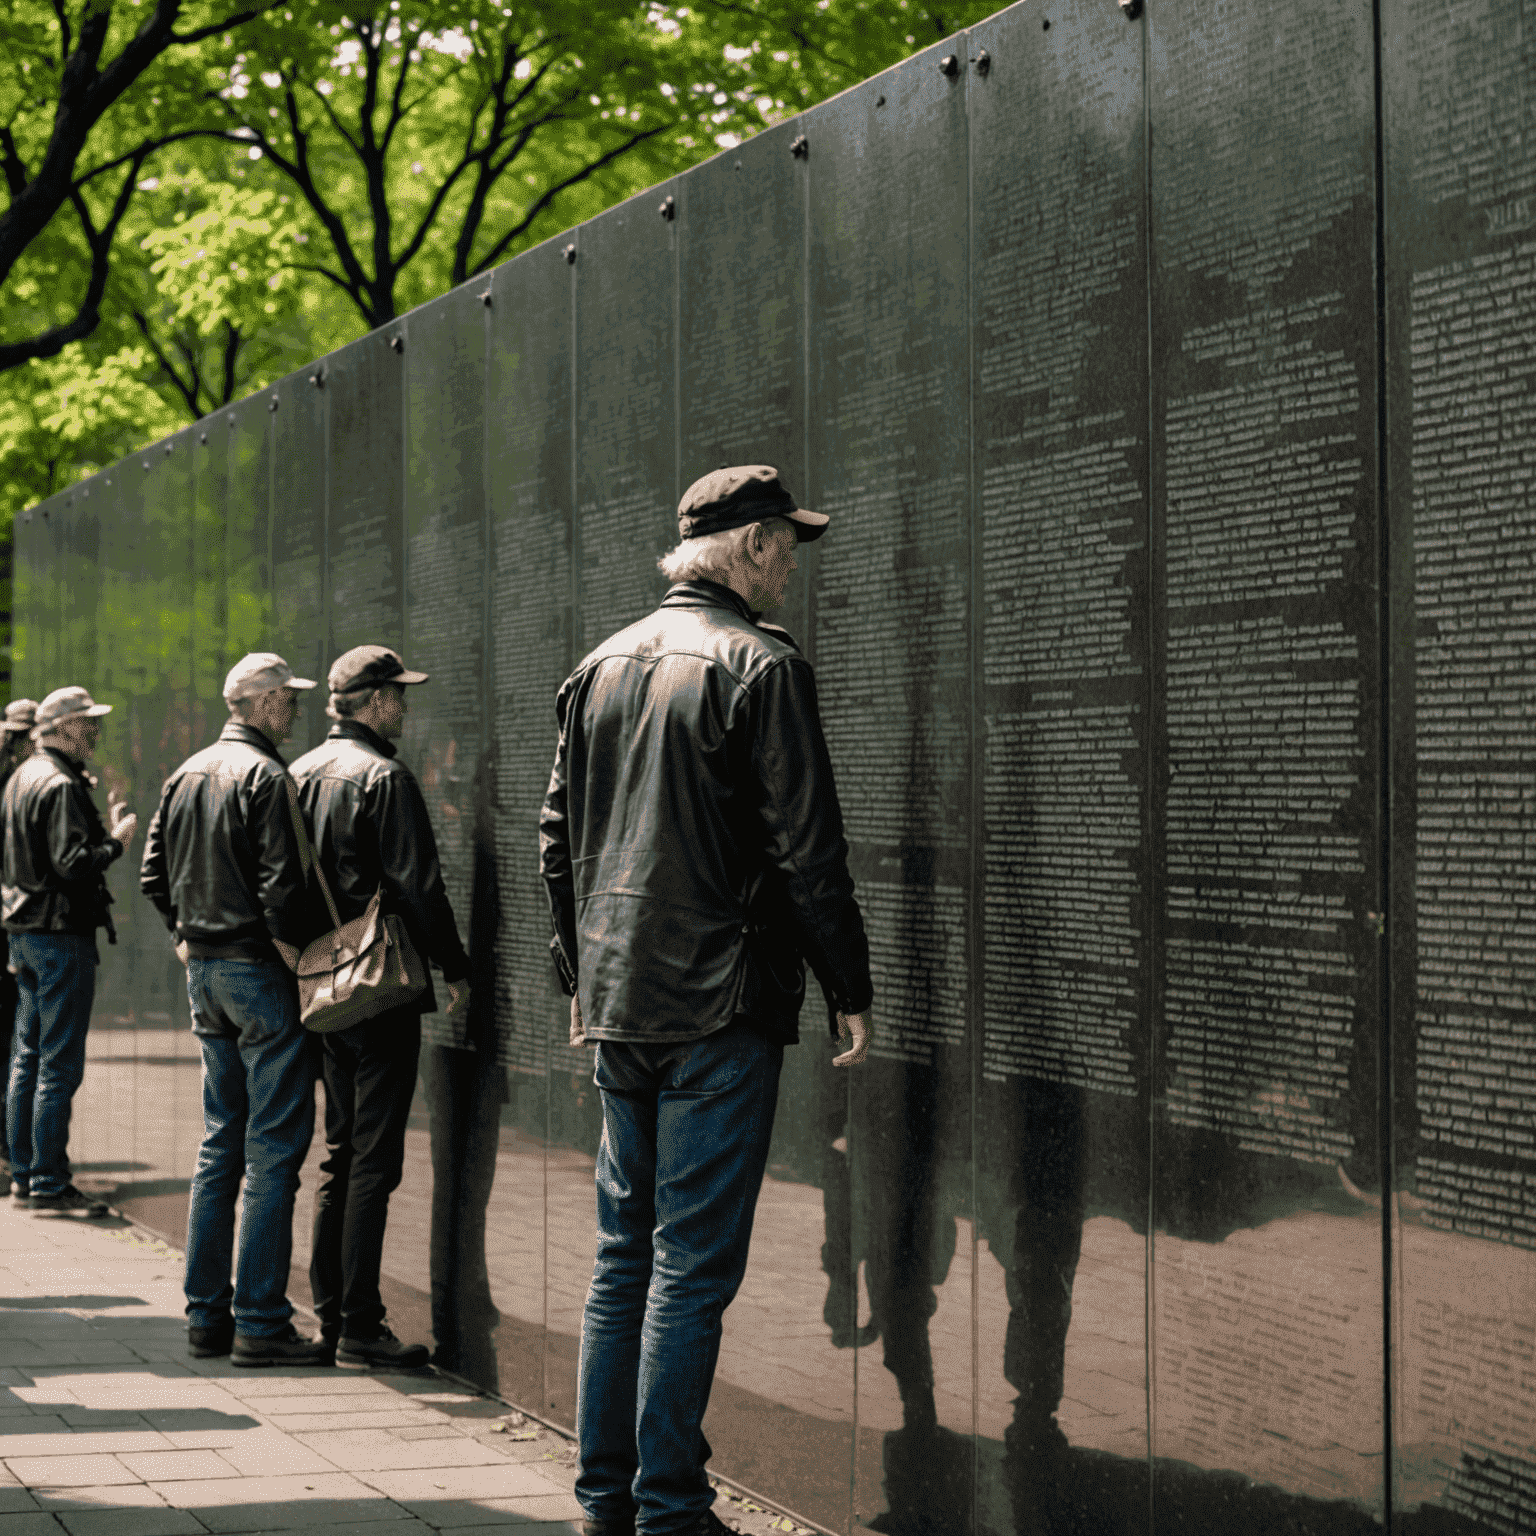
(370, 666)
(740, 494)
(260, 672)
(64, 702)
(20, 715)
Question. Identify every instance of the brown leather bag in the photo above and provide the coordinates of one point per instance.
(359, 969)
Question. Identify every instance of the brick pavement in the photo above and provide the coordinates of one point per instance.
(109, 1428)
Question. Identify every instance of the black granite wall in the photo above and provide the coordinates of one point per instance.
(1170, 382)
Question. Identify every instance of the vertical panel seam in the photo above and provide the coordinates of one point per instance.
(1385, 1000)
(1155, 884)
(976, 641)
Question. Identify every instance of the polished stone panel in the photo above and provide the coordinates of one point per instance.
(445, 599)
(889, 459)
(532, 503)
(296, 542)
(1268, 1173)
(1067, 924)
(1460, 222)
(364, 485)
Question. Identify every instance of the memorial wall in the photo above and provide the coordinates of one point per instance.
(1169, 380)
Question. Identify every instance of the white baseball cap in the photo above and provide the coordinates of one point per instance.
(260, 672)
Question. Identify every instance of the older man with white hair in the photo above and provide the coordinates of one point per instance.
(55, 898)
(693, 851)
(224, 866)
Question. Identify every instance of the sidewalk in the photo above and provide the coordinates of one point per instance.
(108, 1428)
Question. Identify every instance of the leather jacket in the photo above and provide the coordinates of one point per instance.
(691, 841)
(221, 859)
(56, 850)
(368, 820)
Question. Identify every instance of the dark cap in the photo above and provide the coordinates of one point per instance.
(367, 666)
(742, 494)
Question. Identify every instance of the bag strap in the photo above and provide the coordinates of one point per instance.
(308, 859)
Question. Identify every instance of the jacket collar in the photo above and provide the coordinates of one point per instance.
(355, 730)
(72, 766)
(238, 730)
(707, 594)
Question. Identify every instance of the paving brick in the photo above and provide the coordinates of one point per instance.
(267, 1452)
(16, 1501)
(178, 1466)
(69, 1471)
(131, 1522)
(570, 1527)
(428, 1432)
(323, 1406)
(377, 1450)
(401, 1525)
(508, 1480)
(39, 1523)
(105, 1443)
(102, 1418)
(487, 1515)
(113, 1496)
(257, 1385)
(386, 1418)
(273, 1503)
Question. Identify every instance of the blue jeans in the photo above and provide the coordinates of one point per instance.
(685, 1141)
(55, 986)
(258, 1117)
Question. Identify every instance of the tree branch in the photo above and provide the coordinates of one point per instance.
(11, 161)
(233, 341)
(88, 316)
(187, 392)
(542, 202)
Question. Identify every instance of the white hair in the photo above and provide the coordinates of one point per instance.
(718, 556)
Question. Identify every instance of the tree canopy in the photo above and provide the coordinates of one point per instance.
(205, 194)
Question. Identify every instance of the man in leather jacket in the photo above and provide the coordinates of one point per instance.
(54, 898)
(692, 847)
(225, 868)
(371, 832)
(15, 747)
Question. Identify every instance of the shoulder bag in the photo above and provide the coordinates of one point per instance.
(358, 969)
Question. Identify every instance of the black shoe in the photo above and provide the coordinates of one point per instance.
(709, 1524)
(382, 1349)
(68, 1201)
(623, 1525)
(210, 1343)
(287, 1348)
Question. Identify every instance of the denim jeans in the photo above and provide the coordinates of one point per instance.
(55, 985)
(258, 1118)
(685, 1141)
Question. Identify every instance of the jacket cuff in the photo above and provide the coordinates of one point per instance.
(564, 974)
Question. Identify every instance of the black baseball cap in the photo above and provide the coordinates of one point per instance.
(742, 494)
(367, 666)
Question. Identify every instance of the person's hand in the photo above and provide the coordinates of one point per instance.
(458, 999)
(578, 1027)
(288, 953)
(860, 1029)
(124, 822)
(182, 953)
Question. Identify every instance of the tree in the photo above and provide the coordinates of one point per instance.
(81, 97)
(321, 167)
